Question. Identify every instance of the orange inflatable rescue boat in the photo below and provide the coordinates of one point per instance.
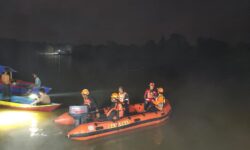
(95, 129)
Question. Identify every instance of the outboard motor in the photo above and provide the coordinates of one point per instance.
(79, 113)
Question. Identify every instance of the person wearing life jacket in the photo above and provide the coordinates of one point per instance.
(6, 80)
(116, 111)
(88, 101)
(124, 99)
(149, 95)
(159, 101)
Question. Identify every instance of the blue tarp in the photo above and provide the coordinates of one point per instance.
(23, 89)
(2, 69)
(19, 99)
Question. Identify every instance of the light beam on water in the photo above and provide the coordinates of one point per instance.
(12, 119)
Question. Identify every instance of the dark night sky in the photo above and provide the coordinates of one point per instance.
(124, 21)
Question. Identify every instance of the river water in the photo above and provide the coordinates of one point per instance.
(210, 108)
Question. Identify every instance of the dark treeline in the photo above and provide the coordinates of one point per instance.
(173, 52)
(109, 65)
(170, 53)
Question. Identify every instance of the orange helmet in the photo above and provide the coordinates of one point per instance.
(151, 84)
(114, 95)
(160, 90)
(85, 92)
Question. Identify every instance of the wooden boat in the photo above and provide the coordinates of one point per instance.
(23, 103)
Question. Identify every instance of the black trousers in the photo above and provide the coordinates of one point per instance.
(126, 106)
(6, 91)
(152, 109)
(149, 106)
(146, 105)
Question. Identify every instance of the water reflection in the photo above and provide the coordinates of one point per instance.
(158, 136)
(12, 118)
(35, 130)
(15, 119)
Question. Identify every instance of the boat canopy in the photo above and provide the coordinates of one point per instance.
(2, 69)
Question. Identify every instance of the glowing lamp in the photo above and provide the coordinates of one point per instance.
(33, 96)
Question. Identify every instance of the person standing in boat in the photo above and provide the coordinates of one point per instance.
(6, 80)
(36, 86)
(38, 82)
(149, 95)
(116, 111)
(124, 99)
(42, 99)
(159, 101)
(88, 101)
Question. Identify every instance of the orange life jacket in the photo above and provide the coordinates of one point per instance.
(118, 107)
(159, 102)
(122, 97)
(150, 95)
(86, 101)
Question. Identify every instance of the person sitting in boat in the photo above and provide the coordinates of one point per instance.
(88, 101)
(116, 111)
(91, 105)
(124, 99)
(42, 99)
(149, 95)
(159, 101)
